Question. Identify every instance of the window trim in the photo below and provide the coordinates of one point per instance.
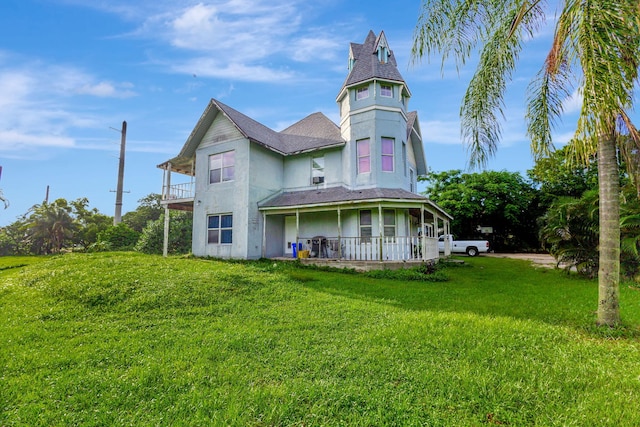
(317, 172)
(366, 156)
(388, 226)
(362, 93)
(223, 167)
(361, 226)
(382, 90)
(384, 155)
(220, 229)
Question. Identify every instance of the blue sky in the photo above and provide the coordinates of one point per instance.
(72, 70)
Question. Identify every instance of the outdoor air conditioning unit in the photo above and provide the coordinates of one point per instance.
(318, 179)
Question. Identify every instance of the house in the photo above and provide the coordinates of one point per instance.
(346, 191)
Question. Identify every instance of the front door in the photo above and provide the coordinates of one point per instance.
(289, 234)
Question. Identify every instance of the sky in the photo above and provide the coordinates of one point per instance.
(71, 71)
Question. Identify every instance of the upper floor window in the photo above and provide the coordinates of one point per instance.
(362, 92)
(365, 226)
(404, 157)
(364, 155)
(220, 229)
(387, 154)
(221, 167)
(411, 186)
(386, 91)
(317, 170)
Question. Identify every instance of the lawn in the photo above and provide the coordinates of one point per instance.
(124, 339)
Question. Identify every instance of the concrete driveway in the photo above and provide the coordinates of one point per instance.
(544, 260)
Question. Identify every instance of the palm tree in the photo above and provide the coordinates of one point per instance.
(49, 225)
(596, 48)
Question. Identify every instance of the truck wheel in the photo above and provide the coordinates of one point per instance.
(472, 251)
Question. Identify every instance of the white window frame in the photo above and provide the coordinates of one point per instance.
(360, 156)
(384, 155)
(362, 93)
(383, 90)
(317, 170)
(227, 166)
(220, 229)
(365, 237)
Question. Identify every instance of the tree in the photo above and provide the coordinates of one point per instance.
(49, 227)
(89, 223)
(596, 47)
(503, 200)
(149, 209)
(152, 238)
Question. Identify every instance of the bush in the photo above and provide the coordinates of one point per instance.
(152, 237)
(119, 237)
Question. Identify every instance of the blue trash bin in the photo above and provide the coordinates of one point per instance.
(295, 250)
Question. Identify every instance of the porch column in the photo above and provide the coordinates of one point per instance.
(165, 196)
(380, 231)
(423, 240)
(339, 235)
(264, 234)
(297, 229)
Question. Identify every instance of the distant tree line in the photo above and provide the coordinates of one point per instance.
(554, 209)
(59, 226)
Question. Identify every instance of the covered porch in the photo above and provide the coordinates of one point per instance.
(395, 226)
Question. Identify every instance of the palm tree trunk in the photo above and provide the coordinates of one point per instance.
(609, 209)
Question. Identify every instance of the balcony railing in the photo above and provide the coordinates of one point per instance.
(178, 191)
(397, 248)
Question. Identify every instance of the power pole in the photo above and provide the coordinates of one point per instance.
(117, 218)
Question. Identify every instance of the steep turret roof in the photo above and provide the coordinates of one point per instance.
(367, 62)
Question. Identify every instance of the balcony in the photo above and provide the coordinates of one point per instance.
(179, 196)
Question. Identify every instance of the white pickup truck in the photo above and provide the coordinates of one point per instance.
(470, 247)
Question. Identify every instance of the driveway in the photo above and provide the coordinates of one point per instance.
(544, 260)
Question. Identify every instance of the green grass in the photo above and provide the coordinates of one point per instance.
(136, 340)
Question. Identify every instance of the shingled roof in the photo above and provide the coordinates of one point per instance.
(337, 195)
(367, 66)
(314, 132)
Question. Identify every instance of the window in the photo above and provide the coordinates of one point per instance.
(317, 170)
(389, 217)
(365, 226)
(220, 229)
(362, 92)
(404, 157)
(364, 155)
(222, 167)
(387, 154)
(411, 181)
(386, 91)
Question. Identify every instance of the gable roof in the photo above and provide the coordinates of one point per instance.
(367, 66)
(314, 132)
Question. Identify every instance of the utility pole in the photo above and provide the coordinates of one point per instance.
(117, 218)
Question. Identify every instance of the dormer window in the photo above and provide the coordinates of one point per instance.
(352, 62)
(383, 54)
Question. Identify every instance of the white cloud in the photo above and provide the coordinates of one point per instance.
(573, 104)
(35, 106)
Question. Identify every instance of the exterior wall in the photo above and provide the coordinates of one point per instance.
(297, 170)
(257, 175)
(371, 120)
(266, 178)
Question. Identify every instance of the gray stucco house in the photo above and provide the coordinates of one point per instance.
(342, 191)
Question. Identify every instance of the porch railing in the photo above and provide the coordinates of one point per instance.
(178, 191)
(397, 248)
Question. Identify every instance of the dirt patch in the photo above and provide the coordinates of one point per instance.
(544, 260)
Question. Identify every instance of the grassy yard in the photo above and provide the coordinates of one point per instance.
(136, 340)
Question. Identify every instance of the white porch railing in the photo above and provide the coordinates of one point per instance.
(178, 191)
(398, 248)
